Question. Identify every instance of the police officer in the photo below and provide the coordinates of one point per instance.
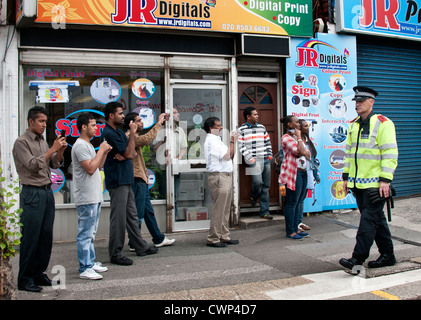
(371, 160)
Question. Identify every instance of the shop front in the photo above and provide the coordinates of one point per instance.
(89, 59)
(175, 162)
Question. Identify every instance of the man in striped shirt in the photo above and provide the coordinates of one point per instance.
(254, 144)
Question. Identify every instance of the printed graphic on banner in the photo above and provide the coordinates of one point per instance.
(71, 132)
(105, 90)
(57, 179)
(245, 16)
(323, 72)
(396, 18)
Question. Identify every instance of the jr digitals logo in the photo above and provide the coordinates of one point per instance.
(150, 12)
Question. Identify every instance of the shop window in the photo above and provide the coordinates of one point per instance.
(66, 92)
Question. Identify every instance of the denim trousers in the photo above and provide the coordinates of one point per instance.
(88, 217)
(260, 173)
(145, 210)
(294, 203)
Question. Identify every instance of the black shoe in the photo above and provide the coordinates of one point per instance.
(43, 280)
(31, 287)
(384, 260)
(232, 242)
(217, 245)
(267, 217)
(350, 263)
(151, 250)
(123, 261)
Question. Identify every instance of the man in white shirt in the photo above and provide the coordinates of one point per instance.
(219, 164)
(88, 194)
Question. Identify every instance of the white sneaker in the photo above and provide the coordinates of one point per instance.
(98, 267)
(165, 242)
(90, 274)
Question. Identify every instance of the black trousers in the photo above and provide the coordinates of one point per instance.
(37, 232)
(373, 227)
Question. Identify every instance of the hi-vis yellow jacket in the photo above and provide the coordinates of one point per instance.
(373, 157)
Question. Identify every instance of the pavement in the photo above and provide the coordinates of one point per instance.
(265, 265)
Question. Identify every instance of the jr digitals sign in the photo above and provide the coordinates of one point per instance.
(291, 17)
(393, 18)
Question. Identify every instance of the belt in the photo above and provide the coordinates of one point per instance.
(221, 173)
(299, 169)
(45, 187)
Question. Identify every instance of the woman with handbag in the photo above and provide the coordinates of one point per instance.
(293, 175)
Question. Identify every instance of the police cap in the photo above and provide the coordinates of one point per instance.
(362, 93)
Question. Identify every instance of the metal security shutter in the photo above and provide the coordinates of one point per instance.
(394, 70)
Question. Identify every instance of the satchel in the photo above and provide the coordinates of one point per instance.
(277, 161)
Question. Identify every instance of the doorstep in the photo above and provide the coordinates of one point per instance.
(252, 222)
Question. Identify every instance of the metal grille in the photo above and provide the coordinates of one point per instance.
(395, 72)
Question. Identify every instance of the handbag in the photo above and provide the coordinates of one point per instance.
(277, 161)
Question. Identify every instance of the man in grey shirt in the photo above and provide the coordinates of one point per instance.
(88, 194)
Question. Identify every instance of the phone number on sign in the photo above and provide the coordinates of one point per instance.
(244, 27)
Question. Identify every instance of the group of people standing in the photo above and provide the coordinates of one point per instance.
(371, 159)
(298, 171)
(125, 178)
(370, 163)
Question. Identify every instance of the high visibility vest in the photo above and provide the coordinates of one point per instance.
(370, 157)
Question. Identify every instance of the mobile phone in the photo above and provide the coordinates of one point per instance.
(167, 117)
(63, 133)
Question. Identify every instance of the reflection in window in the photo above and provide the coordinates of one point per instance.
(138, 90)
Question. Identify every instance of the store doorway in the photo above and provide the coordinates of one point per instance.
(191, 197)
(262, 96)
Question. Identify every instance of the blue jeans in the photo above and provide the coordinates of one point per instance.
(294, 203)
(88, 217)
(145, 210)
(260, 172)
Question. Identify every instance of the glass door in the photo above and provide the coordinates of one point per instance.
(192, 104)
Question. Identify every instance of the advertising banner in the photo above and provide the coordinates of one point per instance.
(243, 16)
(321, 73)
(394, 18)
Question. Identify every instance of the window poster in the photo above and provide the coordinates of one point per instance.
(321, 73)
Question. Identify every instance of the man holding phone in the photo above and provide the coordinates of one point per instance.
(88, 194)
(118, 169)
(33, 160)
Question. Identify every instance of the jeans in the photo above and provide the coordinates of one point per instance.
(88, 217)
(260, 172)
(301, 206)
(294, 203)
(145, 210)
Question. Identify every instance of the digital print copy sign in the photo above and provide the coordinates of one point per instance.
(321, 73)
(394, 18)
(270, 17)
